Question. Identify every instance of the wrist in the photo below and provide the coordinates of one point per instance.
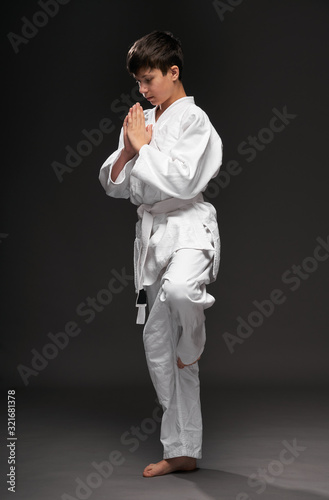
(141, 145)
(126, 155)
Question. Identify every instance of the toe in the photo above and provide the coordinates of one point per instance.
(148, 469)
(148, 472)
(149, 466)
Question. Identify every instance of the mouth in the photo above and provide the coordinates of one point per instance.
(150, 98)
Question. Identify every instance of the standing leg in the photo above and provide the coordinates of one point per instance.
(175, 328)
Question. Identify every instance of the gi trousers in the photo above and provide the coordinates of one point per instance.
(176, 328)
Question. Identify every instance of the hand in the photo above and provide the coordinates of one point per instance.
(180, 363)
(128, 149)
(137, 134)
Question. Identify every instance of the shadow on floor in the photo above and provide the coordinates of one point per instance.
(220, 485)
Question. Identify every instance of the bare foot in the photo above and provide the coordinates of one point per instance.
(180, 363)
(170, 465)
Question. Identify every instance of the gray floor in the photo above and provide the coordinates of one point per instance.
(61, 433)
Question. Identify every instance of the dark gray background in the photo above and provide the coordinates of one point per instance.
(64, 239)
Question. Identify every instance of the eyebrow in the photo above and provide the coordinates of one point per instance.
(146, 74)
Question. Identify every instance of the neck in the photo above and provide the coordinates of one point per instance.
(177, 94)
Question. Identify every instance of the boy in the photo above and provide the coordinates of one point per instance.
(165, 159)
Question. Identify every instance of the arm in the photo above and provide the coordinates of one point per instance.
(115, 172)
(126, 155)
(119, 165)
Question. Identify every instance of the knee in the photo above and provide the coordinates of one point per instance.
(177, 293)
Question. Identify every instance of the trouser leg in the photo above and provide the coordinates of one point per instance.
(176, 320)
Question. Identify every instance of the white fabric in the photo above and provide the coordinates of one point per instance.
(146, 213)
(176, 255)
(184, 154)
(175, 328)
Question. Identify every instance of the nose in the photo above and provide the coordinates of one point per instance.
(142, 88)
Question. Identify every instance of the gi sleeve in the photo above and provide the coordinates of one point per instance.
(120, 187)
(194, 159)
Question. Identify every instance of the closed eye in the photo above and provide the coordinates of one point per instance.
(147, 80)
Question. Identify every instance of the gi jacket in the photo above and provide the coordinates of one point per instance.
(184, 154)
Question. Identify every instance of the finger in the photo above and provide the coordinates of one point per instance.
(130, 117)
(125, 127)
(134, 116)
(138, 115)
(141, 114)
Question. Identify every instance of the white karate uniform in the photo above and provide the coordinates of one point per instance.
(176, 254)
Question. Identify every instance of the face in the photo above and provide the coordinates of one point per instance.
(156, 87)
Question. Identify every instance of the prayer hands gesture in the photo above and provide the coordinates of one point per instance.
(135, 133)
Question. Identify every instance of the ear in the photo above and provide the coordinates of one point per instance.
(174, 70)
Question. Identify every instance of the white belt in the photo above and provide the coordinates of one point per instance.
(146, 213)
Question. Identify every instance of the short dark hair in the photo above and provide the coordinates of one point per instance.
(157, 50)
